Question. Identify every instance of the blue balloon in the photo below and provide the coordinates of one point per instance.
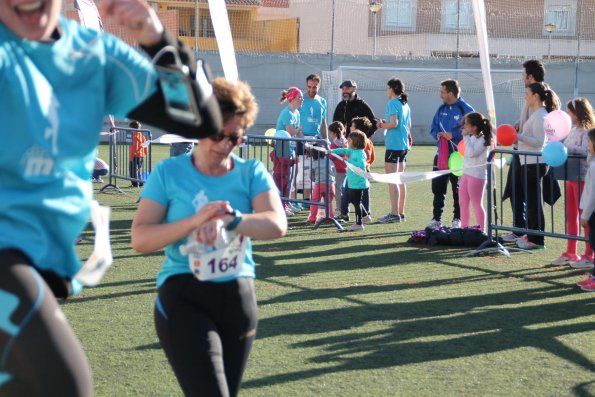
(554, 154)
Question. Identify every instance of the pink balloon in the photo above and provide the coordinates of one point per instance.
(557, 125)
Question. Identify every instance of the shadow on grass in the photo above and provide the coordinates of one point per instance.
(150, 346)
(436, 329)
(83, 298)
(580, 390)
(345, 258)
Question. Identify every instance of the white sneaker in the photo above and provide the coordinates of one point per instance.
(367, 219)
(524, 243)
(456, 223)
(510, 238)
(355, 228)
(434, 224)
(582, 264)
(562, 260)
(389, 218)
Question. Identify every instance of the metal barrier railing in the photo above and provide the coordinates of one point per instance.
(276, 154)
(125, 165)
(496, 181)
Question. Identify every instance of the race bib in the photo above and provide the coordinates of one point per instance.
(221, 260)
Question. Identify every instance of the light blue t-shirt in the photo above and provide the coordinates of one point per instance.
(55, 96)
(398, 138)
(177, 185)
(312, 113)
(357, 157)
(287, 117)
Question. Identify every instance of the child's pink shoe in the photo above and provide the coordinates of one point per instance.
(589, 284)
(585, 281)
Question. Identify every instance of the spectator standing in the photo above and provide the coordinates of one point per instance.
(283, 156)
(577, 142)
(312, 117)
(356, 183)
(364, 125)
(352, 106)
(446, 127)
(289, 120)
(337, 130)
(398, 130)
(533, 72)
(137, 154)
(532, 138)
(477, 135)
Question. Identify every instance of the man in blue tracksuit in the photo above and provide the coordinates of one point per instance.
(447, 124)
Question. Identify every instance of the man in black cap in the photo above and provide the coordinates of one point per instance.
(352, 106)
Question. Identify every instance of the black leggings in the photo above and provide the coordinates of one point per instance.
(40, 355)
(206, 330)
(355, 198)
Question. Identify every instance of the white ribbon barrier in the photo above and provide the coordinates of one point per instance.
(170, 138)
(406, 176)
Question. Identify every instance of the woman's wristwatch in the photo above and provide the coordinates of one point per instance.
(235, 221)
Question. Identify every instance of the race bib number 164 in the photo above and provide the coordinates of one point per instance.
(222, 262)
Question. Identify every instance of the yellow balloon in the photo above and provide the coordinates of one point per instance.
(270, 132)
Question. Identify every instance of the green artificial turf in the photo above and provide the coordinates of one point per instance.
(366, 314)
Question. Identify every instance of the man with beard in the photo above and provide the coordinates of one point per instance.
(313, 119)
(352, 106)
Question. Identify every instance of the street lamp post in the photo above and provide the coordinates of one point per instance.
(375, 7)
(549, 28)
(196, 25)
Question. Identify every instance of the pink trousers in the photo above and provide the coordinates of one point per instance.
(574, 190)
(471, 190)
(318, 191)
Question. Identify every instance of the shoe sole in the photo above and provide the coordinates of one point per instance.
(562, 263)
(580, 267)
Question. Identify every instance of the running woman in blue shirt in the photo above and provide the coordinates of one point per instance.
(57, 76)
(204, 208)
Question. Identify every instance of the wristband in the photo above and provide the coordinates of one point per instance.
(235, 222)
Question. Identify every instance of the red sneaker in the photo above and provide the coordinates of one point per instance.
(590, 286)
(585, 281)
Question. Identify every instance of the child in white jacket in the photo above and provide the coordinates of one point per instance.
(477, 134)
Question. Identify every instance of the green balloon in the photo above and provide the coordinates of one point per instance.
(455, 162)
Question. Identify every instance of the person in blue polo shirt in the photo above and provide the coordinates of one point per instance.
(447, 125)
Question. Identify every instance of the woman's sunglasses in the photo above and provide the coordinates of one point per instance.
(234, 139)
